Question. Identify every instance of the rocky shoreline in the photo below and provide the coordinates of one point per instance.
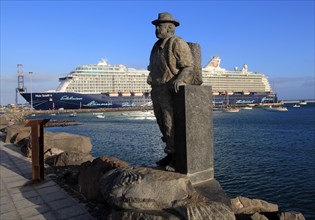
(111, 189)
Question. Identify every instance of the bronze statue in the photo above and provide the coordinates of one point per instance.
(171, 65)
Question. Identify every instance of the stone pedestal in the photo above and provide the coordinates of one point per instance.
(194, 133)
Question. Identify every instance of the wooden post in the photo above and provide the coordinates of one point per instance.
(37, 138)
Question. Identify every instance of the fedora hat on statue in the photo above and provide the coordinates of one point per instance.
(165, 17)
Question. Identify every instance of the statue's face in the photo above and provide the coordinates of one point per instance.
(162, 31)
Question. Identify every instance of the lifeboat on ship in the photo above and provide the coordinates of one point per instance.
(229, 92)
(113, 94)
(246, 92)
(125, 94)
(215, 93)
(138, 93)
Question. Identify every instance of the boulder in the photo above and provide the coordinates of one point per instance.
(144, 193)
(12, 118)
(105, 163)
(90, 175)
(243, 205)
(19, 135)
(22, 138)
(144, 188)
(291, 216)
(143, 215)
(258, 216)
(70, 159)
(67, 142)
(200, 207)
(12, 132)
(4, 122)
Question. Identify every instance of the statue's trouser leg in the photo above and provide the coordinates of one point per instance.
(163, 109)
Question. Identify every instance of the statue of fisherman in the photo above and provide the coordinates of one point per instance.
(171, 65)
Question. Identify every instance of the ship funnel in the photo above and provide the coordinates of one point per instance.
(102, 62)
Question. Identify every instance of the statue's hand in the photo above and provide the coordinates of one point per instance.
(178, 83)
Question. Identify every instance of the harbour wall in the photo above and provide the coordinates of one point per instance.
(297, 101)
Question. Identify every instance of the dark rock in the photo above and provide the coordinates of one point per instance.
(71, 177)
(27, 150)
(25, 142)
(91, 173)
(165, 160)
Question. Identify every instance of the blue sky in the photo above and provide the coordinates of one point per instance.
(51, 38)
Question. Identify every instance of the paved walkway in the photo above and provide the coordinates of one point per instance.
(21, 199)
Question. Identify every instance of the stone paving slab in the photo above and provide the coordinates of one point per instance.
(22, 199)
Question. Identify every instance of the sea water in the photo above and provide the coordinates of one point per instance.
(258, 154)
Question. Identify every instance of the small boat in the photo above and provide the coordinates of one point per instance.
(73, 115)
(277, 109)
(144, 113)
(296, 106)
(303, 102)
(247, 108)
(229, 109)
(100, 116)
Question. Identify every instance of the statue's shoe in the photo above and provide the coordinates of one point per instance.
(170, 167)
(165, 161)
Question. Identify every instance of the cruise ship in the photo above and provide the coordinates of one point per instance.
(237, 87)
(115, 86)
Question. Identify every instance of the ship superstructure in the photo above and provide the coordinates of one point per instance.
(102, 85)
(104, 78)
(236, 80)
(236, 87)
